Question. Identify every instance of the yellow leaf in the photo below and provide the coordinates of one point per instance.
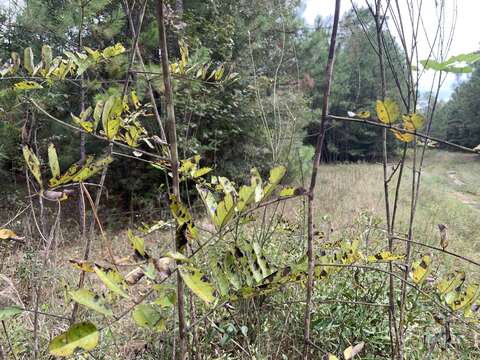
(387, 111)
(82, 265)
(402, 136)
(351, 351)
(384, 256)
(332, 357)
(421, 269)
(90, 169)
(417, 120)
(27, 85)
(363, 114)
(83, 336)
(33, 164)
(53, 160)
(462, 299)
(6, 234)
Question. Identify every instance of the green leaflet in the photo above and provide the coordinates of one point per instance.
(97, 114)
(91, 300)
(225, 211)
(53, 161)
(231, 271)
(246, 196)
(112, 279)
(183, 216)
(168, 296)
(28, 60)
(112, 51)
(276, 175)
(10, 311)
(46, 56)
(138, 244)
(455, 64)
(111, 116)
(219, 276)
(135, 100)
(91, 169)
(83, 336)
(387, 111)
(33, 164)
(146, 315)
(197, 282)
(177, 256)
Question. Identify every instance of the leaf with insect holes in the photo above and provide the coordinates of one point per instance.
(197, 282)
(451, 281)
(91, 169)
(458, 300)
(384, 256)
(421, 268)
(69, 174)
(9, 312)
(387, 111)
(138, 244)
(146, 315)
(53, 161)
(112, 279)
(27, 85)
(83, 336)
(351, 351)
(33, 164)
(92, 301)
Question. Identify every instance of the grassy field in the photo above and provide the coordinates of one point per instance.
(449, 194)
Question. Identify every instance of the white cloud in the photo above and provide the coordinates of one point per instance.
(466, 38)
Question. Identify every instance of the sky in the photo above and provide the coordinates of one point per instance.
(466, 37)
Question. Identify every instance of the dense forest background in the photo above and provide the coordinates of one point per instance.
(266, 115)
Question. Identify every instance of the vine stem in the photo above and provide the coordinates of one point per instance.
(313, 181)
(171, 133)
